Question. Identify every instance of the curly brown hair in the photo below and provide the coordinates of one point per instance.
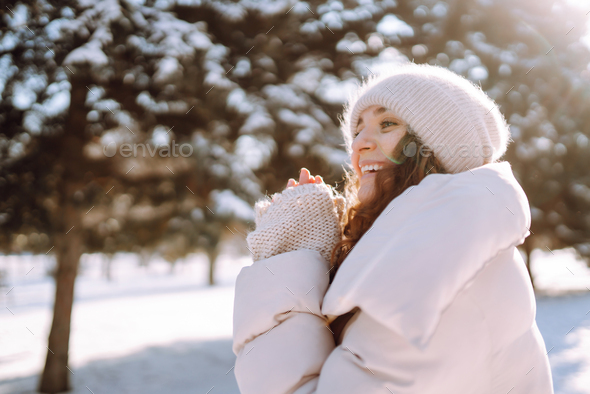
(390, 182)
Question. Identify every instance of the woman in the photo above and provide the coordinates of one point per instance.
(413, 282)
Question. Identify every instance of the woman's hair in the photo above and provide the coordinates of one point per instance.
(390, 182)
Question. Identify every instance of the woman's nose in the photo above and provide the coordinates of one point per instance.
(363, 140)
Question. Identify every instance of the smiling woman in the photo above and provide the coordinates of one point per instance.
(385, 163)
(378, 132)
(424, 291)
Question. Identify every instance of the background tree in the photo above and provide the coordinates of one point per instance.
(71, 189)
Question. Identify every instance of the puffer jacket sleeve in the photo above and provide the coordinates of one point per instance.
(281, 339)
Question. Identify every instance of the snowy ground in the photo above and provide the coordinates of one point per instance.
(149, 331)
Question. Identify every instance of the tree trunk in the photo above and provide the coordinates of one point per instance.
(107, 263)
(144, 258)
(212, 253)
(55, 377)
(72, 165)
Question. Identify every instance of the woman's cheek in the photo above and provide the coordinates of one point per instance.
(389, 141)
(355, 163)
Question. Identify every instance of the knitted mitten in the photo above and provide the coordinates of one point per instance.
(301, 217)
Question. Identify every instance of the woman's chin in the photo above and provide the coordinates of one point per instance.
(364, 193)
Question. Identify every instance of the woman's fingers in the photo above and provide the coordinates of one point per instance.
(305, 177)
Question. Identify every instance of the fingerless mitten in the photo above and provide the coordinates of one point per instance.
(301, 217)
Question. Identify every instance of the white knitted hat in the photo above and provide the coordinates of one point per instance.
(458, 121)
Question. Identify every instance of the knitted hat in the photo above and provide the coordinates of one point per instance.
(461, 125)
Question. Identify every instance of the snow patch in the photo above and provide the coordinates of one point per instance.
(7, 71)
(284, 96)
(17, 16)
(334, 91)
(56, 104)
(391, 25)
(22, 96)
(238, 101)
(242, 69)
(161, 135)
(254, 152)
(59, 29)
(147, 102)
(199, 40)
(307, 80)
(258, 122)
(559, 271)
(478, 73)
(168, 70)
(9, 41)
(89, 53)
(226, 203)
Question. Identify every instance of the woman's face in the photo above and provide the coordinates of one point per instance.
(377, 127)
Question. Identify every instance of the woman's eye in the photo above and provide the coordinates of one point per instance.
(384, 124)
(387, 123)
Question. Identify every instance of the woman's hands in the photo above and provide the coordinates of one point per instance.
(304, 177)
(298, 218)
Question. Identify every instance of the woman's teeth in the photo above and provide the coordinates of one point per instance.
(371, 168)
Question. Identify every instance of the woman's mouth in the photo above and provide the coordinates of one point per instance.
(370, 170)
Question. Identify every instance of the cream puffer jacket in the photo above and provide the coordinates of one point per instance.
(443, 301)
